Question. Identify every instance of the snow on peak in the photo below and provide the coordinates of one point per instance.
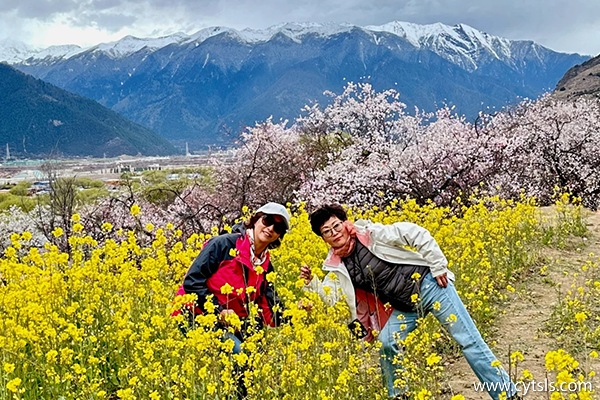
(420, 35)
(12, 51)
(206, 33)
(131, 44)
(413, 33)
(293, 30)
(458, 43)
(59, 51)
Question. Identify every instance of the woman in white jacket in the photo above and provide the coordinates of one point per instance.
(373, 266)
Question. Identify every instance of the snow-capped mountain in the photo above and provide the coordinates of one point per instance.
(192, 86)
(460, 44)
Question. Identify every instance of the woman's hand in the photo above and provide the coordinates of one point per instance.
(306, 274)
(442, 280)
(304, 304)
(223, 316)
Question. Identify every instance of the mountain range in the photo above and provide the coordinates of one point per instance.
(38, 119)
(206, 87)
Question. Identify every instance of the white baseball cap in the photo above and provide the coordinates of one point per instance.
(276, 209)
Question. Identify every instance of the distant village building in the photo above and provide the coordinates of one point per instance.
(28, 175)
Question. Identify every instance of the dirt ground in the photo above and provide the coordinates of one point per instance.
(521, 325)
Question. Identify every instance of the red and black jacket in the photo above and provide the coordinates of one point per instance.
(226, 259)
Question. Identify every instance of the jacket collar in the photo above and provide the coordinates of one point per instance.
(334, 263)
(243, 248)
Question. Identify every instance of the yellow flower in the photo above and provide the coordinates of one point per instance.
(495, 363)
(527, 375)
(13, 385)
(75, 218)
(414, 298)
(10, 252)
(580, 317)
(423, 394)
(135, 210)
(271, 276)
(57, 232)
(226, 289)
(154, 395)
(259, 269)
(211, 388)
(433, 359)
(516, 357)
(149, 227)
(510, 288)
(126, 394)
(233, 252)
(51, 356)
(594, 354)
(437, 305)
(416, 276)
(452, 318)
(326, 359)
(8, 367)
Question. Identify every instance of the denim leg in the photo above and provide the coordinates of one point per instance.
(398, 326)
(453, 315)
(237, 343)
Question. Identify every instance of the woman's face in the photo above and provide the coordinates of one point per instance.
(334, 232)
(268, 228)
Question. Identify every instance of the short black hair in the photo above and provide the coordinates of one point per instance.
(322, 215)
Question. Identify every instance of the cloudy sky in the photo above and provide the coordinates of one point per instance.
(562, 25)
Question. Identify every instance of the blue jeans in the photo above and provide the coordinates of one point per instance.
(463, 330)
(237, 343)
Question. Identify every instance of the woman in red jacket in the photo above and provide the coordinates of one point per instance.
(233, 268)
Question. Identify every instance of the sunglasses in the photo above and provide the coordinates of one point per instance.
(279, 227)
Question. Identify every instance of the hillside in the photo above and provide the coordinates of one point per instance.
(206, 87)
(583, 79)
(523, 325)
(39, 119)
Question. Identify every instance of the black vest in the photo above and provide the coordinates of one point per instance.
(391, 283)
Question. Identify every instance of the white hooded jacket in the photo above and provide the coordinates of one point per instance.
(399, 243)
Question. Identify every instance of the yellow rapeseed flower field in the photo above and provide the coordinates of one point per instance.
(96, 323)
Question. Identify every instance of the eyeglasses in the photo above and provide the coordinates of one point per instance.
(279, 227)
(336, 227)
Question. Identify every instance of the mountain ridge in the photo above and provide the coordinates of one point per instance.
(580, 80)
(417, 34)
(40, 119)
(202, 87)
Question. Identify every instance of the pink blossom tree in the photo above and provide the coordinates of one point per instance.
(550, 143)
